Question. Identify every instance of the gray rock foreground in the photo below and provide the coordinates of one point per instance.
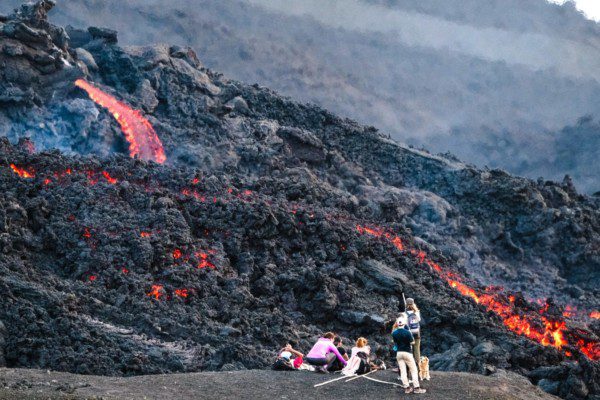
(257, 384)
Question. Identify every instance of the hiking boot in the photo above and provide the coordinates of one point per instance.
(419, 390)
(408, 390)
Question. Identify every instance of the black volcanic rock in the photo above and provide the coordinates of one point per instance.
(246, 238)
(2, 344)
(103, 33)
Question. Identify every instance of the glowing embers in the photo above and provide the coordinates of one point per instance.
(93, 177)
(542, 329)
(569, 311)
(139, 133)
(23, 172)
(109, 178)
(595, 315)
(589, 348)
(176, 254)
(394, 239)
(156, 292)
(203, 261)
(199, 259)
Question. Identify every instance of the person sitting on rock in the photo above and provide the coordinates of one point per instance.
(337, 365)
(324, 353)
(288, 359)
(402, 342)
(359, 361)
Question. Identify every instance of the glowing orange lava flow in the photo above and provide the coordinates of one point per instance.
(595, 314)
(23, 173)
(143, 141)
(536, 327)
(109, 178)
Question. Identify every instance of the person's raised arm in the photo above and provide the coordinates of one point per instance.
(337, 353)
(296, 352)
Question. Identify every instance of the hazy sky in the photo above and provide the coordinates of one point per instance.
(591, 8)
(535, 50)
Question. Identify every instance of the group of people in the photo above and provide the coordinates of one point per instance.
(328, 353)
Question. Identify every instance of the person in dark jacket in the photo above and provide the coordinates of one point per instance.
(403, 340)
(337, 365)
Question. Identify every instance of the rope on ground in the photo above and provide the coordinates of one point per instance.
(377, 380)
(359, 376)
(356, 377)
(330, 381)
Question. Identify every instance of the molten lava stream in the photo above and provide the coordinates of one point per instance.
(536, 327)
(22, 172)
(143, 140)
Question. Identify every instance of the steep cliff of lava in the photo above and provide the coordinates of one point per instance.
(245, 220)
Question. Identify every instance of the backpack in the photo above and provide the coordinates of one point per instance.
(281, 364)
(413, 321)
(364, 366)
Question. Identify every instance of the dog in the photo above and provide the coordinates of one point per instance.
(424, 369)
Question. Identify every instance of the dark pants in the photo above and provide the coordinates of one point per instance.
(336, 366)
(320, 362)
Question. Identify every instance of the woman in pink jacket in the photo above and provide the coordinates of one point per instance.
(324, 353)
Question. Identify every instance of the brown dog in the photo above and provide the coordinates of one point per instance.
(424, 368)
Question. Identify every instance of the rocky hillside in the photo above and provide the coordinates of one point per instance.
(572, 150)
(269, 222)
(494, 103)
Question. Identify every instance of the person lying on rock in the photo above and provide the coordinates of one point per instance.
(324, 354)
(288, 359)
(337, 365)
(402, 342)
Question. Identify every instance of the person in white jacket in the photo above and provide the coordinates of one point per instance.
(360, 353)
(413, 317)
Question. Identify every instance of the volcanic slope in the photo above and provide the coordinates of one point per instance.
(437, 73)
(269, 222)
